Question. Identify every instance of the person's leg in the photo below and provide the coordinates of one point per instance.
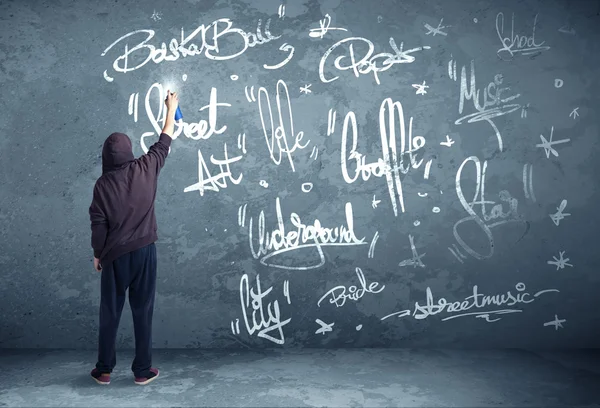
(114, 282)
(141, 300)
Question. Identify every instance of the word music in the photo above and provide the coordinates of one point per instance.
(213, 39)
(302, 236)
(488, 102)
(275, 132)
(475, 301)
(391, 163)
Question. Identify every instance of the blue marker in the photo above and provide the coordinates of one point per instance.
(178, 114)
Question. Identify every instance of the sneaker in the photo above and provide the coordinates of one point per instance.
(145, 380)
(100, 378)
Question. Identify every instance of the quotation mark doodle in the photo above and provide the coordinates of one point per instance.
(452, 69)
(133, 105)
(331, 122)
(315, 152)
(235, 328)
(547, 144)
(242, 142)
(559, 214)
(427, 169)
(524, 110)
(528, 182)
(556, 323)
(324, 327)
(371, 252)
(281, 10)
(242, 215)
(560, 262)
(250, 93)
(457, 254)
(286, 291)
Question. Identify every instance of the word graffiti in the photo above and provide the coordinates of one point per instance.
(369, 63)
(475, 301)
(302, 236)
(392, 162)
(340, 294)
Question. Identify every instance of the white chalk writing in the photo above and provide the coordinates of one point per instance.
(497, 216)
(494, 104)
(475, 301)
(259, 324)
(516, 43)
(341, 293)
(213, 40)
(369, 63)
(302, 236)
(392, 163)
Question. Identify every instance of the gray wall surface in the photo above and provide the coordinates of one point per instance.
(347, 173)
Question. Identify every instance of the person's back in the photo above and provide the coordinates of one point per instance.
(123, 234)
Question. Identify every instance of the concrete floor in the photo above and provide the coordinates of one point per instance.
(309, 377)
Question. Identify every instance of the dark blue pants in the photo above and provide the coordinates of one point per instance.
(135, 271)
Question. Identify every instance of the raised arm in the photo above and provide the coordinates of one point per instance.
(158, 152)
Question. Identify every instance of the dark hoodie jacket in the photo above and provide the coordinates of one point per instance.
(122, 209)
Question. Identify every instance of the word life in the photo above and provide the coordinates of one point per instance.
(494, 104)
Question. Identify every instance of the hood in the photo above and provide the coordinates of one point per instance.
(116, 152)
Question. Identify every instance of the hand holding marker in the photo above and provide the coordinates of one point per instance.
(178, 114)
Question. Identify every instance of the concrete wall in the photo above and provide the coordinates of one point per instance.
(399, 173)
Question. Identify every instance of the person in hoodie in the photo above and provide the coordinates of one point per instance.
(123, 235)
